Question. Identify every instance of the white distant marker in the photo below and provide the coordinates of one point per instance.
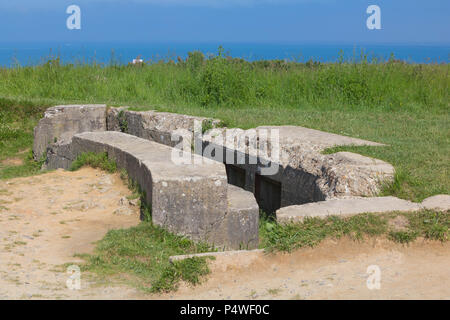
(138, 60)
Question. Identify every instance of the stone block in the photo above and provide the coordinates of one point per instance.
(60, 123)
(440, 202)
(345, 207)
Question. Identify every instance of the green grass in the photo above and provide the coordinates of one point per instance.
(403, 105)
(309, 233)
(17, 120)
(139, 256)
(223, 82)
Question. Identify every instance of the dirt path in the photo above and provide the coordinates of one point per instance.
(333, 270)
(48, 219)
(45, 220)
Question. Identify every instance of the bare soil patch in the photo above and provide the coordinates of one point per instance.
(46, 219)
(399, 223)
(12, 162)
(332, 270)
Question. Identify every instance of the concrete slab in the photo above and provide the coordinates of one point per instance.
(152, 125)
(302, 173)
(344, 207)
(440, 202)
(317, 140)
(193, 200)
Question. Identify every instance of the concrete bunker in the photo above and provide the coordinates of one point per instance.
(289, 171)
(193, 199)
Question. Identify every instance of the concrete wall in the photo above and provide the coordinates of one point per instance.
(60, 123)
(185, 199)
(304, 174)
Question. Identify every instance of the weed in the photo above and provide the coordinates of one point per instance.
(123, 123)
(95, 160)
(274, 292)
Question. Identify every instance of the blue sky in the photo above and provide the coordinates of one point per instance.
(280, 21)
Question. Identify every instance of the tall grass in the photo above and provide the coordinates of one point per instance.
(221, 81)
(17, 120)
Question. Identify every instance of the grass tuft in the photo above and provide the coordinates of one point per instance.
(94, 160)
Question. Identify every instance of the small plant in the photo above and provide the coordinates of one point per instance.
(207, 125)
(123, 123)
(274, 291)
(95, 160)
(145, 209)
(403, 236)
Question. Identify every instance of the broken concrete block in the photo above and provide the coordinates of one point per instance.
(347, 174)
(60, 123)
(440, 202)
(345, 207)
(59, 155)
(152, 125)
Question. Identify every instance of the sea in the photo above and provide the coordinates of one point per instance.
(34, 53)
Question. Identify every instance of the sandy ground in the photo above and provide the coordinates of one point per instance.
(333, 270)
(49, 218)
(46, 219)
